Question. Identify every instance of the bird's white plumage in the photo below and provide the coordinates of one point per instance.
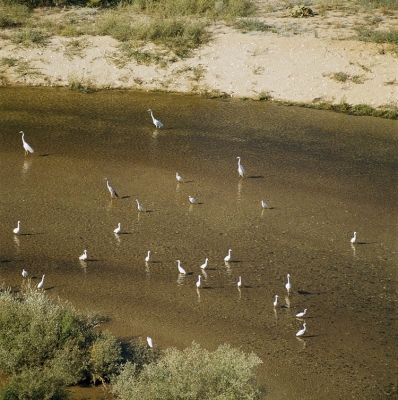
(302, 331)
(301, 314)
(83, 256)
(276, 300)
(180, 269)
(264, 204)
(192, 199)
(179, 178)
(24, 273)
(241, 170)
(139, 206)
(156, 122)
(118, 229)
(41, 283)
(28, 149)
(288, 286)
(203, 266)
(354, 238)
(228, 256)
(239, 282)
(17, 229)
(198, 282)
(149, 341)
(112, 191)
(148, 256)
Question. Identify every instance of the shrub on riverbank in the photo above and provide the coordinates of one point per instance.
(193, 373)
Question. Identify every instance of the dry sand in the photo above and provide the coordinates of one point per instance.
(297, 63)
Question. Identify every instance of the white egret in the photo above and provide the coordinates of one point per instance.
(276, 300)
(148, 256)
(241, 170)
(118, 229)
(354, 238)
(83, 257)
(198, 282)
(24, 273)
(301, 314)
(228, 256)
(179, 178)
(203, 266)
(192, 199)
(264, 204)
(157, 123)
(288, 286)
(27, 148)
(302, 331)
(239, 282)
(112, 191)
(41, 283)
(139, 206)
(17, 229)
(180, 269)
(149, 341)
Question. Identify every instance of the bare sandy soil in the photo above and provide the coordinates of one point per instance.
(297, 60)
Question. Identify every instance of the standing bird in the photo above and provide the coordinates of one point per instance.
(192, 199)
(241, 170)
(118, 229)
(149, 341)
(354, 238)
(139, 206)
(203, 266)
(239, 282)
(24, 273)
(147, 257)
(27, 148)
(276, 300)
(264, 204)
(302, 331)
(83, 257)
(41, 283)
(228, 256)
(198, 282)
(17, 229)
(180, 269)
(179, 178)
(288, 286)
(301, 314)
(112, 191)
(157, 123)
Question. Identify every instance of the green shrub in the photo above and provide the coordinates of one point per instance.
(194, 373)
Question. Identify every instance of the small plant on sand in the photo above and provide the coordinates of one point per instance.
(193, 373)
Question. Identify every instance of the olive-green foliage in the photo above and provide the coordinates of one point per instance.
(52, 342)
(193, 373)
(391, 4)
(370, 35)
(12, 16)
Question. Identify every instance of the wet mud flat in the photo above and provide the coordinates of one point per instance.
(323, 175)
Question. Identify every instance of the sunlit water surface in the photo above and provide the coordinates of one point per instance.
(324, 175)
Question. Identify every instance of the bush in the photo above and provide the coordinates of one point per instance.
(194, 373)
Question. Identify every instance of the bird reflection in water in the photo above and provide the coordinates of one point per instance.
(180, 279)
(302, 341)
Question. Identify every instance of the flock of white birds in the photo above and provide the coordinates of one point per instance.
(241, 171)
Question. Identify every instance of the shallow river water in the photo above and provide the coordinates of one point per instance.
(324, 176)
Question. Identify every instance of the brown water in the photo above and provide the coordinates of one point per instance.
(324, 176)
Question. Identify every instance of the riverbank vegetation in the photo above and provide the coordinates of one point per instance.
(46, 346)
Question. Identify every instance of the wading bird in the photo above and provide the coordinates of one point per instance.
(148, 256)
(180, 269)
(276, 300)
(25, 273)
(139, 206)
(301, 314)
(179, 178)
(264, 204)
(27, 148)
(302, 331)
(118, 229)
(198, 282)
(239, 282)
(149, 341)
(17, 229)
(241, 170)
(203, 266)
(192, 199)
(112, 191)
(83, 257)
(228, 256)
(354, 238)
(288, 286)
(157, 123)
(41, 283)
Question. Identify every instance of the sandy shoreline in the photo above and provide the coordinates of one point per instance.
(295, 68)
